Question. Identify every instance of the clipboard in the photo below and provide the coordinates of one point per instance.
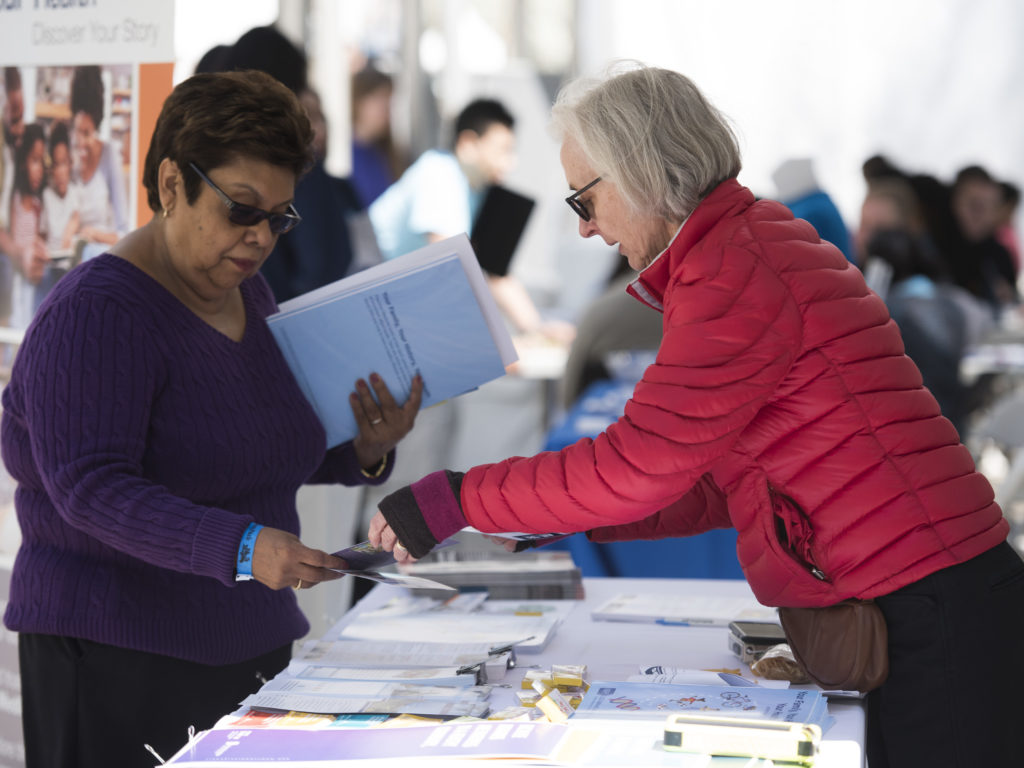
(498, 227)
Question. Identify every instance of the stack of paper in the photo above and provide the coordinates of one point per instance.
(284, 694)
(528, 632)
(408, 655)
(658, 700)
(685, 610)
(522, 576)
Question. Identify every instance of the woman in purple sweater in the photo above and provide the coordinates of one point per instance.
(158, 440)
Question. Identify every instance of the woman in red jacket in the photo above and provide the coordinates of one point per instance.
(780, 403)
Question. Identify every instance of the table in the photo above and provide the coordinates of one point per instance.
(613, 650)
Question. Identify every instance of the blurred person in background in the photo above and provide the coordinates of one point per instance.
(375, 161)
(440, 194)
(781, 403)
(890, 205)
(982, 264)
(1006, 229)
(961, 221)
(98, 174)
(336, 238)
(798, 189)
(931, 318)
(158, 439)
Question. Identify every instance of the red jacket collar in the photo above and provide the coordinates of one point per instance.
(725, 199)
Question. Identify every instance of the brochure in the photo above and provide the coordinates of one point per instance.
(659, 700)
(428, 312)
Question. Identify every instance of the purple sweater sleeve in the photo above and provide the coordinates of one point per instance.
(87, 387)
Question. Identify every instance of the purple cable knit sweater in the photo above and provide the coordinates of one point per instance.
(144, 442)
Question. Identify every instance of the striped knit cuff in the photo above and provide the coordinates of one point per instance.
(426, 512)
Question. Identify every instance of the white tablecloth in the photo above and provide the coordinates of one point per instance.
(615, 650)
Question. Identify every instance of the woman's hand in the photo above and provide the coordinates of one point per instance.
(280, 560)
(381, 421)
(382, 537)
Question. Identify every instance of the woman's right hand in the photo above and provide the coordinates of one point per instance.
(281, 560)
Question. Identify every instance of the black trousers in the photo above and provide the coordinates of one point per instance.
(87, 705)
(955, 693)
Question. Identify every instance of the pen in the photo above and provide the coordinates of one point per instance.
(684, 622)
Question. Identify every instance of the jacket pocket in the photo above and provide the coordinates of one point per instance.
(794, 533)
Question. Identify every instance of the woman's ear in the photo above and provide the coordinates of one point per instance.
(170, 185)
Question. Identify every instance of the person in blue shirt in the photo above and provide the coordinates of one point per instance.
(440, 194)
(799, 190)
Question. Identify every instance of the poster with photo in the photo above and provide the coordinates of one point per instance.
(81, 85)
(68, 138)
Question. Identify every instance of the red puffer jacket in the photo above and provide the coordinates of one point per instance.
(780, 403)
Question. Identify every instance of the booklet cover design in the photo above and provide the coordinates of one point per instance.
(425, 312)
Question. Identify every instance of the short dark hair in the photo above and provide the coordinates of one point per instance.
(59, 135)
(33, 133)
(213, 60)
(1011, 193)
(212, 118)
(481, 114)
(87, 93)
(973, 173)
(268, 50)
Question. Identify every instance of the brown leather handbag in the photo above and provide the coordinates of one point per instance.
(842, 647)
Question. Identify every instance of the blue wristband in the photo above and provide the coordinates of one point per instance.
(243, 563)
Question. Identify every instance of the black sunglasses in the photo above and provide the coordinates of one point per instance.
(249, 215)
(578, 205)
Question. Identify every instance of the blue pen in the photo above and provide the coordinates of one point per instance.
(684, 622)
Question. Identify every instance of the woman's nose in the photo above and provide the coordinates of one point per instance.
(587, 228)
(260, 234)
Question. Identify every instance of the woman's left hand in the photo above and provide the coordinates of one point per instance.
(382, 422)
(383, 537)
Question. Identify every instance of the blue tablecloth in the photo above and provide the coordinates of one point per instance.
(710, 555)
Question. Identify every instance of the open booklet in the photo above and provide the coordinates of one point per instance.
(428, 312)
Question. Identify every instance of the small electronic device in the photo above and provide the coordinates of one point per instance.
(773, 740)
(750, 639)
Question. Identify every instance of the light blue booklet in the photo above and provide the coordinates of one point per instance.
(605, 698)
(428, 312)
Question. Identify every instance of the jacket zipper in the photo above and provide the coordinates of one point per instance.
(811, 567)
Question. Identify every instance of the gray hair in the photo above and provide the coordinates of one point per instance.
(652, 133)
